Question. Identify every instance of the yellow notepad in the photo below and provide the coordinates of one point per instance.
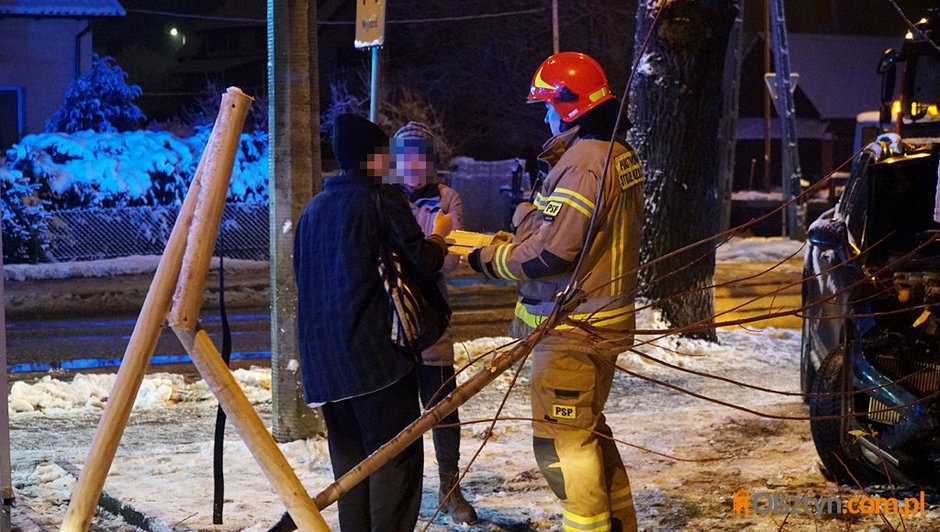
(463, 242)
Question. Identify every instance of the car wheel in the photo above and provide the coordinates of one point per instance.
(836, 447)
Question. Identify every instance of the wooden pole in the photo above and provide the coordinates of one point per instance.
(555, 46)
(200, 243)
(429, 419)
(251, 429)
(184, 317)
(139, 349)
(133, 367)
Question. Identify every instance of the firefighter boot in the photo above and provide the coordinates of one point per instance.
(459, 509)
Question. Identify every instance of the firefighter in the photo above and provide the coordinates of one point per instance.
(573, 366)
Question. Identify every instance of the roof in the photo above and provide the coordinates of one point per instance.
(837, 72)
(62, 8)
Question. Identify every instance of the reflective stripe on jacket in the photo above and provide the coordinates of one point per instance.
(550, 236)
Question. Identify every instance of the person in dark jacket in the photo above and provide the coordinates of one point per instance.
(366, 385)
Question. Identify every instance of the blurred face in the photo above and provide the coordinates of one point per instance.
(552, 119)
(414, 165)
(377, 164)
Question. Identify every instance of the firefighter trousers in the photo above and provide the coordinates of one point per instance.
(570, 384)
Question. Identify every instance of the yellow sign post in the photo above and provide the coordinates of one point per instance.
(370, 23)
(370, 33)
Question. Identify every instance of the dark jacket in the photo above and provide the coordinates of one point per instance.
(343, 312)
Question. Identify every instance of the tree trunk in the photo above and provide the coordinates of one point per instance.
(675, 108)
(295, 175)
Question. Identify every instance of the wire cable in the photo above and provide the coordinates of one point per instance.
(911, 25)
(344, 22)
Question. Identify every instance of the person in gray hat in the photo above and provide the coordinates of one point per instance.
(414, 162)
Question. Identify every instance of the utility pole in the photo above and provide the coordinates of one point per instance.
(555, 47)
(294, 176)
(782, 84)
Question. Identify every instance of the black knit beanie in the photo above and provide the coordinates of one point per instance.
(354, 139)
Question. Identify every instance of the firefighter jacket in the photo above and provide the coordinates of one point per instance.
(552, 231)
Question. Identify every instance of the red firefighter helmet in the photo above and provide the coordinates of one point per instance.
(571, 82)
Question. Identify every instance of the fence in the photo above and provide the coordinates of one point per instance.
(92, 234)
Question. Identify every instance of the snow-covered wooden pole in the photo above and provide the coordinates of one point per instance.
(147, 330)
(200, 242)
(133, 367)
(184, 320)
(252, 430)
(430, 419)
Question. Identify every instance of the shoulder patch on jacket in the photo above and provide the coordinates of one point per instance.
(552, 208)
(629, 169)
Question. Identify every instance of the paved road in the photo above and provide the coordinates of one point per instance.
(97, 342)
(90, 343)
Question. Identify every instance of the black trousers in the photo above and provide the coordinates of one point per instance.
(436, 382)
(387, 501)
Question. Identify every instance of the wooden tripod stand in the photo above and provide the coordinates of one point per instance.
(175, 297)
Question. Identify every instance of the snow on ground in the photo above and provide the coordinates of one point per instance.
(736, 249)
(757, 249)
(756, 195)
(132, 265)
(163, 467)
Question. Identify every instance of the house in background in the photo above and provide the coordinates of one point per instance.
(44, 44)
(838, 80)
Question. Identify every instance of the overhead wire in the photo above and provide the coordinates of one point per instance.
(458, 18)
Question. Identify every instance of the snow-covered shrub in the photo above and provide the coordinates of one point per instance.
(25, 221)
(99, 100)
(250, 172)
(135, 168)
(59, 171)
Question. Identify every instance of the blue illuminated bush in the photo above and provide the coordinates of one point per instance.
(100, 100)
(89, 170)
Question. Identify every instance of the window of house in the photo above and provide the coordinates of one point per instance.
(11, 116)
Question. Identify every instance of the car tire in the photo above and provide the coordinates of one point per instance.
(834, 444)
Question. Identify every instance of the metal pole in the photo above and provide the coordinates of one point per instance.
(794, 214)
(376, 70)
(768, 139)
(555, 48)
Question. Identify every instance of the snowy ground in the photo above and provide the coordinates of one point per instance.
(163, 467)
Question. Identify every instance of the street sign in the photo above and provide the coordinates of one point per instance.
(370, 23)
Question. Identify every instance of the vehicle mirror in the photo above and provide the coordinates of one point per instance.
(887, 69)
(888, 60)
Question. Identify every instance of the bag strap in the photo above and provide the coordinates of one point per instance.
(382, 217)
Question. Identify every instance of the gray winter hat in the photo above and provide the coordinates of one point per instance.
(415, 131)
